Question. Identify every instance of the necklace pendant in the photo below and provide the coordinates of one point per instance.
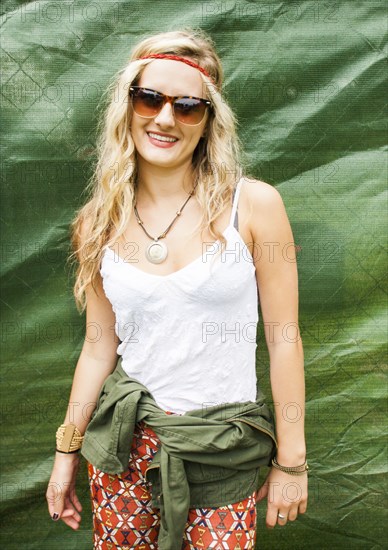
(156, 252)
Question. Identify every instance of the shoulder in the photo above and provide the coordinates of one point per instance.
(266, 213)
(260, 194)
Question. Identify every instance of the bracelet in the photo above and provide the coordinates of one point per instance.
(67, 452)
(293, 470)
(69, 438)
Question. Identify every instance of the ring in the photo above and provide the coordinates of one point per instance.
(281, 516)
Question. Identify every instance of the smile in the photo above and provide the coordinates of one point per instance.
(162, 138)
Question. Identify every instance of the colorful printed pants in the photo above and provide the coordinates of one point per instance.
(123, 516)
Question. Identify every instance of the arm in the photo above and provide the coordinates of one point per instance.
(97, 360)
(277, 279)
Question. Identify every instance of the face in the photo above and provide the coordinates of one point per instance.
(175, 79)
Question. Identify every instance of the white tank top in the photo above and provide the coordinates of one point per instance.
(190, 336)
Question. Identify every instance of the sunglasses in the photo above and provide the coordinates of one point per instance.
(148, 103)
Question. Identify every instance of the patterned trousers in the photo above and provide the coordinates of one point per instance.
(123, 516)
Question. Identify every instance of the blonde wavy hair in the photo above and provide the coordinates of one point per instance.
(216, 160)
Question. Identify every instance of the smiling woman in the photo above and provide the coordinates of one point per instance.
(183, 396)
(183, 112)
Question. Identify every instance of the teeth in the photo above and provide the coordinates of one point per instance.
(161, 138)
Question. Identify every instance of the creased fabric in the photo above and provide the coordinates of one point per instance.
(308, 83)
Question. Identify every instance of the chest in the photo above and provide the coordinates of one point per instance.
(184, 248)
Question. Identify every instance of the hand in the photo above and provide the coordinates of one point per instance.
(287, 495)
(60, 495)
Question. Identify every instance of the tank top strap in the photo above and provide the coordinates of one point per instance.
(234, 213)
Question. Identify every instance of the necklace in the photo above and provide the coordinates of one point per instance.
(157, 251)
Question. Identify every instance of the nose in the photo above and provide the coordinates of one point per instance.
(166, 115)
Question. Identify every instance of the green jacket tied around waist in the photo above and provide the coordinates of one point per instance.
(208, 457)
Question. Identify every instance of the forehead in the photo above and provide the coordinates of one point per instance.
(172, 78)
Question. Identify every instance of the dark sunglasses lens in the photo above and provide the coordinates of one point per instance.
(189, 110)
(146, 103)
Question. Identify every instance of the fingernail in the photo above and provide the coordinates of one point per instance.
(55, 516)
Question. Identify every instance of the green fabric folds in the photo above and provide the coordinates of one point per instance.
(307, 81)
(227, 442)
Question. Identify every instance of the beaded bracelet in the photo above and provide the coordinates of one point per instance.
(69, 438)
(293, 470)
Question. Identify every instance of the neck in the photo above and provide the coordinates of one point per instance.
(158, 186)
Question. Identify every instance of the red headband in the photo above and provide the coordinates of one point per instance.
(176, 58)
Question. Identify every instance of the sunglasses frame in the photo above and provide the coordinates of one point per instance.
(170, 99)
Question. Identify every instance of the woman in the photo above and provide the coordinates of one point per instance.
(170, 276)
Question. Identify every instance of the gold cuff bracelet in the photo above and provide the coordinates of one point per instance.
(69, 438)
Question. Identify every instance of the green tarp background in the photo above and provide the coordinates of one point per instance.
(307, 81)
